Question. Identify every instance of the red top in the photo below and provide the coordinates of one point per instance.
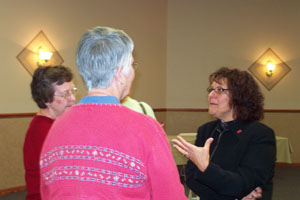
(35, 137)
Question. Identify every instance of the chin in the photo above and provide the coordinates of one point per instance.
(212, 113)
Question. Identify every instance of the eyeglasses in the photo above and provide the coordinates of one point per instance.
(135, 65)
(218, 90)
(68, 93)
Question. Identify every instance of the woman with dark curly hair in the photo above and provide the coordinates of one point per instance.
(234, 154)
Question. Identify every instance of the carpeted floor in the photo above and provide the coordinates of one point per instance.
(286, 185)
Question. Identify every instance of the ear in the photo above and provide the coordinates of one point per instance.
(47, 104)
(119, 76)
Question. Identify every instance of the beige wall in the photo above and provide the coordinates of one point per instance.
(64, 22)
(11, 151)
(205, 35)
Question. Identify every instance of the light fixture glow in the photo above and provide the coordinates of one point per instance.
(270, 68)
(44, 55)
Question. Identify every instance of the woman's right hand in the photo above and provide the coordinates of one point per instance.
(198, 155)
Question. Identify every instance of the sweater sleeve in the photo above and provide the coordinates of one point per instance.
(255, 168)
(162, 170)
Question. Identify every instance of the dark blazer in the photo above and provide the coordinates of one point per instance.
(243, 156)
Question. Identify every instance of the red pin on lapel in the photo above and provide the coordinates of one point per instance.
(239, 131)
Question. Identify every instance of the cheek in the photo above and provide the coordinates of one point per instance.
(59, 101)
(226, 106)
(130, 79)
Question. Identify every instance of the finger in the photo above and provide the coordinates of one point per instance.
(175, 141)
(178, 143)
(208, 143)
(256, 195)
(258, 189)
(186, 144)
(179, 149)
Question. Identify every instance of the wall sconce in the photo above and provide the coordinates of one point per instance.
(44, 56)
(269, 69)
(39, 52)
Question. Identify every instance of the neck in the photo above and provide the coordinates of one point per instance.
(103, 92)
(47, 113)
(98, 93)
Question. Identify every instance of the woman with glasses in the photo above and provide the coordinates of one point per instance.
(234, 154)
(53, 91)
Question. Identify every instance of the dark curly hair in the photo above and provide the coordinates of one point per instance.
(246, 98)
(43, 81)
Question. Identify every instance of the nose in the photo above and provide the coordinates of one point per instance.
(212, 93)
(72, 97)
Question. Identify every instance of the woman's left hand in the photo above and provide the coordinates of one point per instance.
(255, 194)
(198, 155)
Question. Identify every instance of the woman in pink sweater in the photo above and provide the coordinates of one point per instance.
(100, 149)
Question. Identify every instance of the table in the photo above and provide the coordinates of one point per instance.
(284, 150)
(283, 146)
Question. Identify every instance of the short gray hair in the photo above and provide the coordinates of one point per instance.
(100, 52)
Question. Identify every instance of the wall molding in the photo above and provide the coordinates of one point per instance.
(13, 190)
(206, 110)
(16, 115)
(180, 110)
(20, 115)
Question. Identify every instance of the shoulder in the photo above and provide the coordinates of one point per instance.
(148, 109)
(132, 104)
(38, 130)
(260, 132)
(40, 124)
(146, 105)
(128, 101)
(101, 114)
(260, 128)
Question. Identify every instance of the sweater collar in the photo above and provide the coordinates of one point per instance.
(100, 99)
(234, 126)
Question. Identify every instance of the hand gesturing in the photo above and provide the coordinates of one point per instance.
(198, 155)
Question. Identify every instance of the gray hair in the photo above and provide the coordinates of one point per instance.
(100, 52)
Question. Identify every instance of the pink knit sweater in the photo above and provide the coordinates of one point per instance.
(107, 151)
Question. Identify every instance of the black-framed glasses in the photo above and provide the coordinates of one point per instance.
(68, 93)
(218, 90)
(135, 65)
